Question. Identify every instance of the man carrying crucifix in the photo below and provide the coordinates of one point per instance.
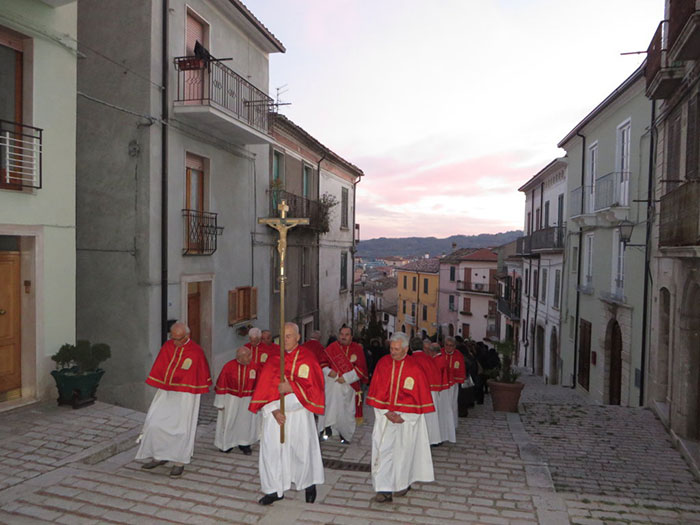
(298, 460)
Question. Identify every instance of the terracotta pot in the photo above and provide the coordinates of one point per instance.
(505, 396)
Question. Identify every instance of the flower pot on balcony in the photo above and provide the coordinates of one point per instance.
(505, 396)
(190, 64)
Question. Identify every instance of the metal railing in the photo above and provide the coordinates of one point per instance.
(551, 238)
(656, 52)
(212, 83)
(679, 219)
(522, 245)
(612, 189)
(575, 200)
(510, 309)
(201, 231)
(299, 207)
(20, 155)
(487, 288)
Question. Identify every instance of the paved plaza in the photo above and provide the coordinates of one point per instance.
(561, 460)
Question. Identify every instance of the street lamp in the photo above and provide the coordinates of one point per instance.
(625, 228)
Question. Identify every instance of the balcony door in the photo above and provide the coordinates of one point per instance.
(584, 360)
(196, 30)
(623, 156)
(10, 100)
(194, 203)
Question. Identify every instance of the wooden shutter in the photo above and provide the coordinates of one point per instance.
(253, 303)
(194, 32)
(232, 307)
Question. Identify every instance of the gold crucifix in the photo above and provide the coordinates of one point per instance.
(282, 224)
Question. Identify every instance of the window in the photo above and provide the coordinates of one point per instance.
(623, 161)
(560, 210)
(242, 304)
(527, 282)
(557, 287)
(535, 284)
(277, 184)
(405, 282)
(197, 238)
(305, 266)
(574, 259)
(344, 208)
(11, 75)
(413, 310)
(306, 177)
(691, 156)
(451, 303)
(425, 285)
(344, 271)
(404, 307)
(465, 330)
(529, 225)
(425, 313)
(415, 280)
(493, 308)
(194, 186)
(546, 214)
(543, 296)
(673, 149)
(466, 305)
(196, 30)
(588, 260)
(538, 224)
(453, 272)
(590, 182)
(618, 265)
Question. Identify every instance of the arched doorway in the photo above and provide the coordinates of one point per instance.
(690, 354)
(553, 358)
(613, 344)
(539, 345)
(663, 361)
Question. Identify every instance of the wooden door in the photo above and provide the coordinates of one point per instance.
(493, 283)
(193, 315)
(615, 381)
(10, 347)
(467, 279)
(465, 330)
(584, 357)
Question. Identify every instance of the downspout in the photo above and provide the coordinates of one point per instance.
(164, 179)
(354, 249)
(527, 284)
(539, 278)
(317, 316)
(580, 257)
(647, 276)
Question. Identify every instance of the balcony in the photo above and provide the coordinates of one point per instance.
(299, 208)
(201, 232)
(492, 333)
(464, 312)
(211, 96)
(482, 288)
(509, 308)
(20, 156)
(679, 221)
(522, 245)
(663, 76)
(684, 30)
(587, 286)
(548, 239)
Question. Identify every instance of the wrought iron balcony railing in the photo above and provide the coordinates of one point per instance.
(201, 231)
(611, 190)
(551, 238)
(201, 82)
(299, 208)
(510, 309)
(20, 155)
(464, 286)
(679, 221)
(522, 245)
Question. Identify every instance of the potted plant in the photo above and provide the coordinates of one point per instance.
(77, 374)
(504, 385)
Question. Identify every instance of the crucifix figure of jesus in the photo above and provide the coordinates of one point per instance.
(282, 224)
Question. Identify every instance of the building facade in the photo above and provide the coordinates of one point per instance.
(604, 275)
(417, 305)
(173, 171)
(509, 276)
(37, 193)
(672, 386)
(542, 252)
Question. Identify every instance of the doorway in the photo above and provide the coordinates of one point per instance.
(539, 351)
(584, 358)
(197, 310)
(553, 358)
(614, 350)
(10, 326)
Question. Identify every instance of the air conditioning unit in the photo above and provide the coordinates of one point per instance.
(479, 287)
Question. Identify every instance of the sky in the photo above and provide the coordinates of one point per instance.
(448, 106)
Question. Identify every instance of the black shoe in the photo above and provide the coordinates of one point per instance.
(245, 449)
(269, 499)
(153, 464)
(328, 431)
(311, 494)
(227, 450)
(344, 441)
(177, 471)
(382, 497)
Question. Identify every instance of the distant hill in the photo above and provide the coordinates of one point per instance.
(410, 246)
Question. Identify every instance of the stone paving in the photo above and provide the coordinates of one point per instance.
(504, 468)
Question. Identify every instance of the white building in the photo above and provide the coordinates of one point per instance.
(542, 249)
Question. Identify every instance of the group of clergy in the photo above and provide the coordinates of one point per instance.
(414, 398)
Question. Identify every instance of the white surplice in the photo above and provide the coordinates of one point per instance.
(447, 413)
(400, 452)
(235, 424)
(298, 459)
(340, 404)
(170, 427)
(432, 421)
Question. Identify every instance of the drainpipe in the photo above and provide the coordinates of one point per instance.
(164, 179)
(527, 285)
(580, 257)
(539, 277)
(317, 320)
(354, 249)
(647, 276)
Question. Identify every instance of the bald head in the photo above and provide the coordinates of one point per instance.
(266, 336)
(244, 355)
(179, 333)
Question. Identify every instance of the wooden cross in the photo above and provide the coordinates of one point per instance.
(282, 224)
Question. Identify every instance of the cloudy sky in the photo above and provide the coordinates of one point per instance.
(448, 106)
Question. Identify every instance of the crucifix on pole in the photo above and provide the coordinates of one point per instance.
(282, 224)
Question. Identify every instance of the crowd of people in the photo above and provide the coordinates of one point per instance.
(417, 389)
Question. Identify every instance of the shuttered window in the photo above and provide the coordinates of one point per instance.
(195, 30)
(242, 304)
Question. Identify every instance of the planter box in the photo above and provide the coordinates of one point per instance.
(76, 389)
(505, 396)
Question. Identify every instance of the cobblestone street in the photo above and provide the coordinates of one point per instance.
(560, 461)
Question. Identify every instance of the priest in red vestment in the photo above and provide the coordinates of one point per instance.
(260, 351)
(400, 395)
(434, 377)
(181, 375)
(314, 344)
(267, 340)
(298, 460)
(456, 375)
(345, 370)
(236, 426)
